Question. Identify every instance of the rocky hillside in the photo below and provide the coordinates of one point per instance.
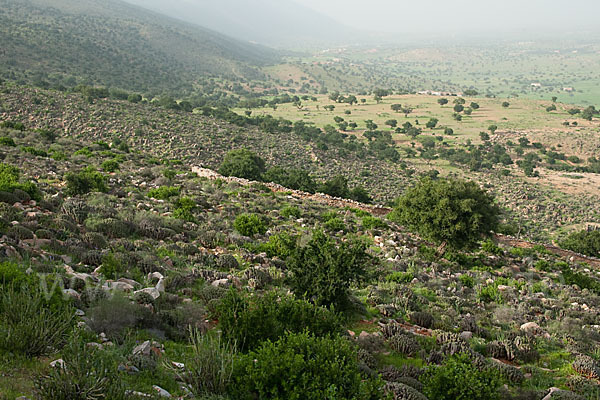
(123, 262)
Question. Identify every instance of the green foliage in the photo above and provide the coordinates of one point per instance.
(371, 222)
(164, 192)
(29, 325)
(12, 275)
(184, 209)
(571, 277)
(296, 179)
(280, 245)
(7, 141)
(9, 182)
(88, 374)
(290, 211)
(459, 379)
(467, 280)
(450, 211)
(248, 321)
(250, 224)
(323, 270)
(400, 277)
(490, 247)
(242, 163)
(583, 242)
(301, 366)
(209, 368)
(489, 294)
(85, 181)
(110, 166)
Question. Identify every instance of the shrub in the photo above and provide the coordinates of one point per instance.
(301, 366)
(281, 245)
(164, 192)
(210, 367)
(583, 242)
(31, 326)
(113, 315)
(248, 321)
(35, 152)
(323, 270)
(250, 224)
(296, 179)
(459, 379)
(243, 164)
(184, 209)
(110, 166)
(451, 211)
(85, 181)
(9, 182)
(290, 211)
(7, 141)
(467, 280)
(371, 222)
(489, 293)
(88, 374)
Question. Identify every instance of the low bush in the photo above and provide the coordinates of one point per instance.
(110, 166)
(459, 379)
(10, 182)
(30, 325)
(250, 224)
(323, 269)
(87, 374)
(113, 316)
(164, 192)
(85, 181)
(584, 242)
(242, 163)
(248, 321)
(301, 366)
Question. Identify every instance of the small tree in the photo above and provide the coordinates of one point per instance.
(242, 163)
(442, 102)
(432, 123)
(323, 269)
(396, 107)
(448, 211)
(392, 123)
(506, 104)
(493, 128)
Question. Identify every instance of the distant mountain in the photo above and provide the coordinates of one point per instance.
(277, 23)
(114, 43)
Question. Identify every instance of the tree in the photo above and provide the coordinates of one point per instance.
(336, 187)
(391, 123)
(432, 123)
(242, 163)
(334, 96)
(551, 108)
(396, 107)
(323, 269)
(449, 211)
(471, 92)
(459, 108)
(493, 128)
(506, 104)
(583, 242)
(484, 136)
(442, 102)
(370, 125)
(474, 106)
(554, 98)
(460, 101)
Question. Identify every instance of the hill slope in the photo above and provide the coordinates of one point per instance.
(271, 22)
(117, 44)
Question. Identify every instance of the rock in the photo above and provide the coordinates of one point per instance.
(466, 335)
(161, 392)
(79, 313)
(220, 283)
(178, 365)
(155, 276)
(95, 345)
(160, 286)
(152, 291)
(147, 348)
(71, 293)
(60, 363)
(121, 286)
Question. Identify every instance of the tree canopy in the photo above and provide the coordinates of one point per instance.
(452, 211)
(242, 163)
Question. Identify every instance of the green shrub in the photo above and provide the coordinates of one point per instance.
(323, 270)
(571, 277)
(489, 293)
(12, 275)
(335, 224)
(583, 242)
(7, 141)
(184, 209)
(295, 179)
(33, 151)
(209, 368)
(84, 152)
(242, 163)
(248, 321)
(301, 366)
(113, 315)
(459, 379)
(164, 192)
(9, 182)
(490, 247)
(400, 277)
(451, 211)
(88, 374)
(290, 211)
(467, 280)
(85, 181)
(110, 166)
(250, 224)
(31, 326)
(280, 245)
(371, 222)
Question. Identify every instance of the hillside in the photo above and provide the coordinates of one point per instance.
(139, 255)
(68, 42)
(280, 23)
(540, 208)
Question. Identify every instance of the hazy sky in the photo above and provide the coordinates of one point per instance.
(435, 16)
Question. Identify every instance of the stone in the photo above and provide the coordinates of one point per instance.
(220, 283)
(60, 363)
(147, 348)
(152, 291)
(121, 286)
(161, 392)
(466, 335)
(71, 293)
